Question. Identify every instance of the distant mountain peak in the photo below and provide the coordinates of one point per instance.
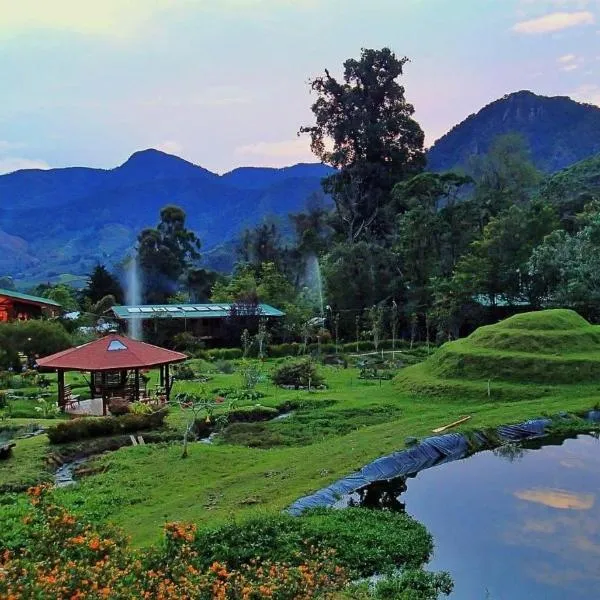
(161, 165)
(559, 131)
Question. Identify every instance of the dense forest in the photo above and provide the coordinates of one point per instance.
(390, 244)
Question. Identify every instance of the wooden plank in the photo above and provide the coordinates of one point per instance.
(445, 427)
(141, 440)
(133, 440)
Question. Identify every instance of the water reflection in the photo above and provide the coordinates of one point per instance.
(519, 523)
(557, 498)
(383, 495)
(510, 452)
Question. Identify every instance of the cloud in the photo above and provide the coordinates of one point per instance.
(567, 58)
(284, 152)
(170, 147)
(12, 163)
(561, 499)
(570, 62)
(554, 22)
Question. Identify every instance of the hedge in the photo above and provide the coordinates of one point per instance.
(244, 414)
(91, 427)
(224, 353)
(252, 414)
(366, 541)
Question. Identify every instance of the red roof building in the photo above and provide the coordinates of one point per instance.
(114, 363)
(15, 306)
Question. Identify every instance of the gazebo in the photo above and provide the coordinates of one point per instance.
(114, 363)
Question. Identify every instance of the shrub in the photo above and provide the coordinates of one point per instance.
(252, 414)
(366, 541)
(250, 374)
(118, 406)
(34, 337)
(184, 372)
(224, 366)
(3, 398)
(283, 350)
(187, 342)
(298, 374)
(96, 562)
(238, 394)
(225, 353)
(140, 408)
(336, 360)
(90, 427)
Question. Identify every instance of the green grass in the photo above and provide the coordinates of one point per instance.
(260, 468)
(549, 348)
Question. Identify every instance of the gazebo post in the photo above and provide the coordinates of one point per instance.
(167, 383)
(92, 389)
(162, 375)
(103, 384)
(136, 391)
(61, 388)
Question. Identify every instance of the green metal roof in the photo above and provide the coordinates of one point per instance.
(28, 298)
(184, 311)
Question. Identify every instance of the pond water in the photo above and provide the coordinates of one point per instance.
(522, 524)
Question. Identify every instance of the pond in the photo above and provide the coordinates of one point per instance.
(507, 525)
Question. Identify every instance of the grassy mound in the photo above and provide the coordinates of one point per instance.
(552, 347)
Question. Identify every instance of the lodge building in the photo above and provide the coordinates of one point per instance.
(15, 306)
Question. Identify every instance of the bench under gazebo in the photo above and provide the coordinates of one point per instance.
(115, 364)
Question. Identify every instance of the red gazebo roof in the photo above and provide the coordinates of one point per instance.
(111, 353)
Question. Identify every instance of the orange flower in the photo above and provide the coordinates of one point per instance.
(77, 540)
(94, 544)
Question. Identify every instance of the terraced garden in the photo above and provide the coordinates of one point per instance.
(525, 367)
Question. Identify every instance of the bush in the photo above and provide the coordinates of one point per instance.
(336, 360)
(224, 353)
(324, 348)
(34, 337)
(283, 350)
(238, 394)
(118, 406)
(250, 374)
(224, 366)
(90, 427)
(252, 414)
(184, 372)
(366, 541)
(98, 558)
(187, 342)
(298, 374)
(140, 408)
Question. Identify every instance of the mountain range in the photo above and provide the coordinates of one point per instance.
(63, 221)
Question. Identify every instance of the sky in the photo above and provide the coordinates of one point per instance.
(224, 83)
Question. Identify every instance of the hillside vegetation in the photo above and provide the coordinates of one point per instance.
(550, 348)
(558, 130)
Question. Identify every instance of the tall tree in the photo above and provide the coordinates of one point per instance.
(357, 276)
(433, 230)
(505, 175)
(166, 253)
(262, 244)
(497, 267)
(565, 269)
(375, 142)
(101, 283)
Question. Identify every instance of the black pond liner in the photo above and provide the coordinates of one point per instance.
(428, 453)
